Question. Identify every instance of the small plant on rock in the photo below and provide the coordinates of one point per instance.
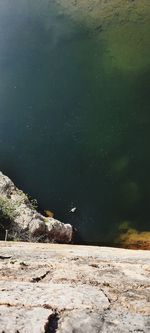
(7, 214)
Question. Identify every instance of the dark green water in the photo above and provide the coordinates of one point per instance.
(74, 118)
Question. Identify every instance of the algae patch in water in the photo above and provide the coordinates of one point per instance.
(130, 237)
(127, 48)
(124, 25)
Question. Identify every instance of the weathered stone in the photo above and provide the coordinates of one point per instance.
(37, 227)
(73, 289)
(57, 231)
(26, 222)
(19, 320)
(80, 321)
(6, 185)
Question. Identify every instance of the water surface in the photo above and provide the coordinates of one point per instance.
(74, 117)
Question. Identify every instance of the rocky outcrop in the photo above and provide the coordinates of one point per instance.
(73, 289)
(25, 223)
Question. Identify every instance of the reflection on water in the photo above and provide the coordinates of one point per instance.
(74, 116)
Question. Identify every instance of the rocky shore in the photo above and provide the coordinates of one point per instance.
(49, 288)
(19, 217)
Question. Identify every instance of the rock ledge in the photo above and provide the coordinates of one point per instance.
(73, 289)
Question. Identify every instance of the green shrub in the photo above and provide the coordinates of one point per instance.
(7, 213)
(7, 209)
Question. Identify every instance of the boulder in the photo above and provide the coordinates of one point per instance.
(58, 231)
(25, 222)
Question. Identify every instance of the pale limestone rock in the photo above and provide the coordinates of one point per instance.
(26, 222)
(73, 289)
(56, 230)
(37, 227)
(6, 185)
(32, 320)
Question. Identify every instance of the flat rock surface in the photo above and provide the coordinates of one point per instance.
(73, 289)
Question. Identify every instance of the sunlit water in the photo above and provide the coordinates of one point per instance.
(74, 118)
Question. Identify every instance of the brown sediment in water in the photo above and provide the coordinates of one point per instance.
(48, 213)
(133, 239)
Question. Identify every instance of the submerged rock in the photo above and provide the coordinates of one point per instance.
(25, 223)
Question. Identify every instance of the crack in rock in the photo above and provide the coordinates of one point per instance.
(3, 258)
(108, 298)
(52, 323)
(39, 278)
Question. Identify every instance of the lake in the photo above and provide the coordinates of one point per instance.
(74, 114)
